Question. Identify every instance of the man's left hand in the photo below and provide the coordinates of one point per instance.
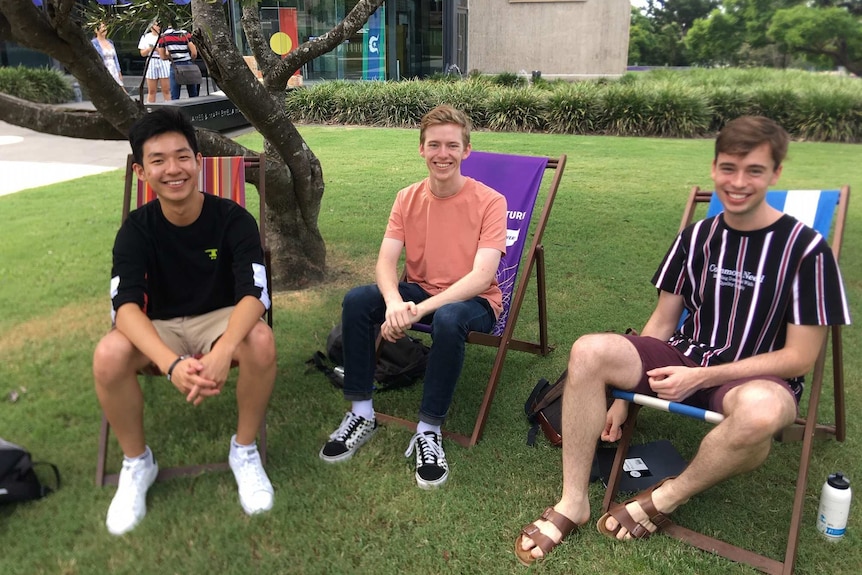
(675, 383)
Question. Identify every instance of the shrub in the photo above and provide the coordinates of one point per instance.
(727, 103)
(402, 104)
(509, 79)
(830, 116)
(667, 103)
(40, 85)
(574, 109)
(625, 110)
(517, 110)
(677, 112)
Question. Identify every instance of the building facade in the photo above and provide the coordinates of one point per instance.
(417, 38)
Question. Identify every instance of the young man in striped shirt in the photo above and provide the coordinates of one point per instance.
(760, 288)
(176, 46)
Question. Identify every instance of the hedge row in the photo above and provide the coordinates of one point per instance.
(41, 85)
(667, 104)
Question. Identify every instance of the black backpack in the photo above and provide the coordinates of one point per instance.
(400, 364)
(18, 479)
(544, 409)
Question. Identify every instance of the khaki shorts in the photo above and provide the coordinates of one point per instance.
(194, 334)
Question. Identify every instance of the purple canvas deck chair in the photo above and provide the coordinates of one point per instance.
(823, 210)
(519, 178)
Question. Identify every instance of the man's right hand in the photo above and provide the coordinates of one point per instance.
(187, 378)
(401, 316)
(617, 414)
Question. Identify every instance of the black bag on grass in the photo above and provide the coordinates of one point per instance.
(18, 479)
(544, 409)
(400, 364)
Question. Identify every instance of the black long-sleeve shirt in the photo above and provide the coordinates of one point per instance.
(172, 271)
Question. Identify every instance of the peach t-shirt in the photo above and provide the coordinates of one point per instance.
(442, 235)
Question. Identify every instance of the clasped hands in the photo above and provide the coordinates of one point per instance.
(198, 379)
(399, 318)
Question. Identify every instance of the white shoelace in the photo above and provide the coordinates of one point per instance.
(429, 451)
(350, 422)
(251, 470)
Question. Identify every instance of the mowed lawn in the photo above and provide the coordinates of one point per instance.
(617, 211)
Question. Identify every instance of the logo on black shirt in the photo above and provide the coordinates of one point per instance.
(212, 253)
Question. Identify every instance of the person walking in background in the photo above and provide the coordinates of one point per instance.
(176, 46)
(158, 71)
(106, 50)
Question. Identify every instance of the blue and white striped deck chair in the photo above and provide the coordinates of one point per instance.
(825, 211)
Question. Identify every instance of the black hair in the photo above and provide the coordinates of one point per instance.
(160, 121)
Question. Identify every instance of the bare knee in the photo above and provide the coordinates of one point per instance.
(759, 410)
(114, 359)
(604, 358)
(258, 347)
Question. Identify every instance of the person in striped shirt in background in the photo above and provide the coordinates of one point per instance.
(176, 45)
(760, 289)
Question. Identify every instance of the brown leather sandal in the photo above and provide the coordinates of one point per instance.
(543, 542)
(624, 518)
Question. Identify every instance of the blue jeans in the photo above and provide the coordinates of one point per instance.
(192, 89)
(363, 310)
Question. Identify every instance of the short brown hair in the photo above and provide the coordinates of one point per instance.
(446, 114)
(740, 136)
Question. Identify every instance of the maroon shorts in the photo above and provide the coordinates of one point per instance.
(656, 353)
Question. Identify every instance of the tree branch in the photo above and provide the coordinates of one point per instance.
(87, 124)
(323, 44)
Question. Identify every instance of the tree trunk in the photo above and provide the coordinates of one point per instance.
(294, 178)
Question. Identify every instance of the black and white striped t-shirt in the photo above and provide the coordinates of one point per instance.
(741, 289)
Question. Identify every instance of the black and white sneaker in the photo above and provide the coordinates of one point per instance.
(432, 471)
(350, 435)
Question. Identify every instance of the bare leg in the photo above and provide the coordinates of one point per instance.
(754, 413)
(152, 86)
(165, 83)
(256, 357)
(115, 365)
(596, 361)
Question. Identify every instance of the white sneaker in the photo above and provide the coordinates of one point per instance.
(255, 490)
(130, 502)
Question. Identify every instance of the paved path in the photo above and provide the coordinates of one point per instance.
(30, 159)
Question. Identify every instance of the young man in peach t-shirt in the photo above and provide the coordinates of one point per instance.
(453, 230)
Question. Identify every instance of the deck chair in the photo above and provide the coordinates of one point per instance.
(817, 209)
(519, 178)
(224, 177)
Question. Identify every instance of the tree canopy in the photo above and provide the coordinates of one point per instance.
(778, 33)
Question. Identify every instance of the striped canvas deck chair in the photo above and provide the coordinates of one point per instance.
(519, 178)
(226, 178)
(825, 211)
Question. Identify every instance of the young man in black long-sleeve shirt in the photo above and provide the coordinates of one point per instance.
(188, 288)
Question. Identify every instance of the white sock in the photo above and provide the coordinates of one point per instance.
(364, 408)
(236, 446)
(147, 454)
(422, 427)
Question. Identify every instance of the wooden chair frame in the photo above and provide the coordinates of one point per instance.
(806, 429)
(257, 162)
(535, 258)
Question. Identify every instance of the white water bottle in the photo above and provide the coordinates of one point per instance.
(834, 507)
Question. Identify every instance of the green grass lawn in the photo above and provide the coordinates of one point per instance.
(617, 211)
